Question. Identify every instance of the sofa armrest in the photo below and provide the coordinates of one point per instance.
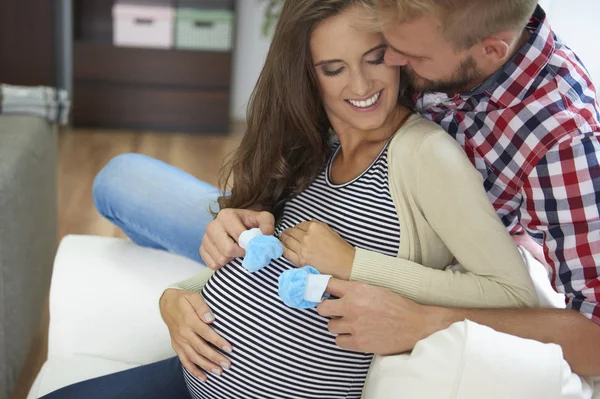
(28, 152)
(104, 299)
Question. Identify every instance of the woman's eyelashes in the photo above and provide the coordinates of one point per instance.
(332, 73)
(378, 61)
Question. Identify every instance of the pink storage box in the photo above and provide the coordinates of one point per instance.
(140, 25)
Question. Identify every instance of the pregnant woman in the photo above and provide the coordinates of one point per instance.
(333, 152)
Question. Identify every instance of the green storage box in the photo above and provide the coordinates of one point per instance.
(201, 29)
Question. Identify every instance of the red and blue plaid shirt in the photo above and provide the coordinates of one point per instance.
(532, 130)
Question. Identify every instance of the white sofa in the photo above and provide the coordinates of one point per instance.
(104, 314)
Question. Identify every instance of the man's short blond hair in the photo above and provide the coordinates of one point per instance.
(464, 22)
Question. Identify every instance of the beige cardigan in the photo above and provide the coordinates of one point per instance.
(444, 213)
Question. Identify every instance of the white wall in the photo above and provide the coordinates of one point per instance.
(250, 53)
(577, 22)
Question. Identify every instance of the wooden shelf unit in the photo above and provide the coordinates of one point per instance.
(141, 88)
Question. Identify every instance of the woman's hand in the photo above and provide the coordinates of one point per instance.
(525, 240)
(315, 244)
(188, 317)
(219, 244)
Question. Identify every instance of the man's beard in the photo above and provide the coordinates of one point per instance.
(461, 79)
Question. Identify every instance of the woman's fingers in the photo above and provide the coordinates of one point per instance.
(224, 233)
(218, 259)
(201, 308)
(201, 361)
(208, 352)
(209, 335)
(208, 260)
(184, 312)
(265, 221)
(189, 366)
(232, 224)
(201, 332)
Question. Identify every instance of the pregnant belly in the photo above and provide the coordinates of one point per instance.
(278, 352)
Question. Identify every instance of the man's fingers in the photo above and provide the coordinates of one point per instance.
(291, 255)
(330, 308)
(295, 233)
(346, 341)
(338, 288)
(291, 247)
(303, 227)
(339, 326)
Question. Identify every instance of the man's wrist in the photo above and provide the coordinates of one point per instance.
(427, 320)
(348, 262)
(439, 318)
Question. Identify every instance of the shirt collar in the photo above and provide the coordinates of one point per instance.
(511, 82)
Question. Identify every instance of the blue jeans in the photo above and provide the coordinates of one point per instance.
(161, 380)
(157, 206)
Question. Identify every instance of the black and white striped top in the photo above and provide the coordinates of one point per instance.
(286, 353)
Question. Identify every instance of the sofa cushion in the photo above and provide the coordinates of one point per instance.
(28, 150)
(60, 371)
(104, 299)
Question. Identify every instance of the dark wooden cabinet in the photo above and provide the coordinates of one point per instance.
(114, 87)
(27, 42)
(151, 89)
(140, 88)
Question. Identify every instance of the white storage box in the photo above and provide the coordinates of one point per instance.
(139, 25)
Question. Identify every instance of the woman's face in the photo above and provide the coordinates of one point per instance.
(358, 90)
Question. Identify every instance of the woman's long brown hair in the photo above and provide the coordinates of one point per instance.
(286, 144)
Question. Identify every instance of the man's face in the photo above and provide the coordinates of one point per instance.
(427, 59)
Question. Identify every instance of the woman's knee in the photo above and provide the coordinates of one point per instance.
(115, 179)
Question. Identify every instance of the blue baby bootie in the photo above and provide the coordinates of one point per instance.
(260, 251)
(292, 287)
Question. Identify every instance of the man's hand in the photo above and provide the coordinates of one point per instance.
(375, 320)
(315, 244)
(219, 244)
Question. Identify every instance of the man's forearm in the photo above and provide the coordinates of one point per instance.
(578, 336)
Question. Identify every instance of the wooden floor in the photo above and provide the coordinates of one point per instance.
(82, 154)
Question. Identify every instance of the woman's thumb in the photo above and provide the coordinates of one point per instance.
(201, 308)
(266, 223)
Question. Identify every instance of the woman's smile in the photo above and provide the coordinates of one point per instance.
(368, 105)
